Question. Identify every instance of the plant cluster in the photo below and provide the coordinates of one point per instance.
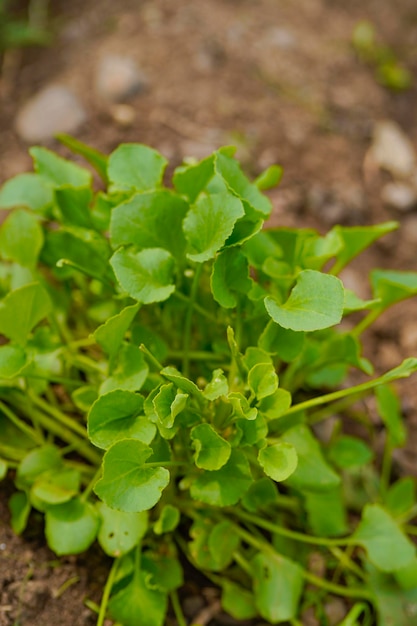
(164, 365)
(17, 31)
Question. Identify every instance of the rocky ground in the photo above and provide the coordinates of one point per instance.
(280, 80)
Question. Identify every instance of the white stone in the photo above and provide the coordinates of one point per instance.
(392, 150)
(118, 78)
(399, 196)
(55, 109)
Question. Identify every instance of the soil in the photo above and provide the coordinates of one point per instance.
(279, 80)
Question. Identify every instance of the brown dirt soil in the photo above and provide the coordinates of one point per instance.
(280, 80)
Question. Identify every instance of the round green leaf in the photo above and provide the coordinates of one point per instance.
(350, 451)
(21, 238)
(128, 483)
(120, 531)
(29, 190)
(71, 527)
(278, 461)
(316, 302)
(118, 415)
(135, 166)
(137, 604)
(211, 450)
(263, 380)
(12, 360)
(224, 487)
(147, 276)
(168, 520)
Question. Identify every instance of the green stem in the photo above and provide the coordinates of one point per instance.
(189, 319)
(157, 365)
(106, 593)
(243, 563)
(196, 355)
(386, 468)
(196, 307)
(85, 494)
(63, 419)
(21, 425)
(347, 562)
(291, 534)
(367, 321)
(179, 615)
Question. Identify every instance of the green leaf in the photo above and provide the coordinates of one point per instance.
(354, 303)
(277, 584)
(27, 190)
(238, 601)
(394, 605)
(3, 469)
(57, 485)
(209, 223)
(21, 310)
(312, 473)
(217, 387)
(169, 403)
(135, 166)
(401, 496)
(278, 461)
(71, 528)
(387, 547)
(213, 545)
(192, 179)
(21, 238)
(230, 277)
(42, 459)
(97, 159)
(347, 452)
(129, 370)
(223, 487)
(389, 408)
(164, 571)
(147, 276)
(269, 178)
(260, 494)
(58, 171)
(326, 512)
(120, 531)
(150, 220)
(236, 181)
(286, 343)
(404, 370)
(316, 302)
(276, 404)
(119, 415)
(20, 507)
(358, 238)
(128, 483)
(211, 451)
(111, 334)
(168, 520)
(390, 286)
(183, 383)
(12, 360)
(263, 380)
(74, 205)
(138, 605)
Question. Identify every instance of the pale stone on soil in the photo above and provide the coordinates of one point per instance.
(392, 150)
(53, 110)
(118, 78)
(399, 196)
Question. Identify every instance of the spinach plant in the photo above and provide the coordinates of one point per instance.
(164, 366)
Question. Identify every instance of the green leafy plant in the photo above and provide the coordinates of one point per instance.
(165, 363)
(389, 71)
(18, 31)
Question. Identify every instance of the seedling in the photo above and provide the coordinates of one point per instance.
(164, 365)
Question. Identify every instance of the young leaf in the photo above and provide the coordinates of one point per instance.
(110, 334)
(277, 584)
(128, 483)
(387, 547)
(286, 343)
(263, 380)
(217, 387)
(120, 531)
(356, 239)
(74, 205)
(276, 404)
(20, 508)
(168, 520)
(238, 601)
(192, 179)
(150, 220)
(21, 238)
(168, 404)
(58, 171)
(97, 159)
(278, 461)
(21, 310)
(390, 286)
(209, 223)
(183, 383)
(137, 604)
(71, 527)
(129, 370)
(164, 571)
(211, 451)
(223, 487)
(316, 302)
(12, 359)
(135, 166)
(230, 277)
(147, 276)
(269, 178)
(119, 415)
(27, 190)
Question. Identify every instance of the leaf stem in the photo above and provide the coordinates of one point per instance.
(367, 321)
(63, 419)
(196, 306)
(179, 615)
(157, 365)
(21, 425)
(106, 593)
(188, 320)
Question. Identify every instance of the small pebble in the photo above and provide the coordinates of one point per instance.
(118, 78)
(392, 150)
(399, 196)
(55, 109)
(123, 114)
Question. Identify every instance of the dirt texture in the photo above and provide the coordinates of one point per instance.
(280, 80)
